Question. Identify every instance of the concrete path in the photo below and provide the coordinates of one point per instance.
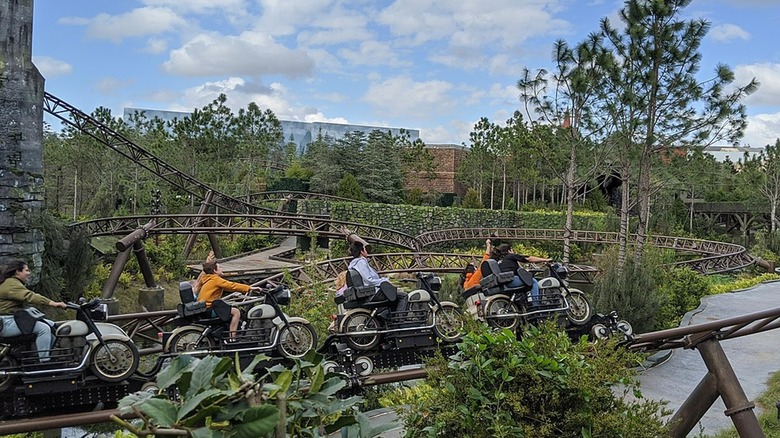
(754, 357)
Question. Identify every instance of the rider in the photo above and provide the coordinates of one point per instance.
(213, 285)
(370, 277)
(508, 261)
(473, 279)
(15, 296)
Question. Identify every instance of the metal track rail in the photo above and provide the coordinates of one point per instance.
(276, 224)
(720, 256)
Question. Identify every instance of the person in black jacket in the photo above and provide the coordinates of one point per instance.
(508, 261)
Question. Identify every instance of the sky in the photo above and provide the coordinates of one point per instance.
(433, 65)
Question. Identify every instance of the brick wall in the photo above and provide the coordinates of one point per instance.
(446, 159)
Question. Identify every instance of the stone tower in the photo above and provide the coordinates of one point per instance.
(21, 138)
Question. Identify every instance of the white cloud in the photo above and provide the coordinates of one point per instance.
(50, 67)
(456, 133)
(74, 21)
(199, 6)
(111, 85)
(250, 53)
(138, 22)
(768, 75)
(335, 27)
(240, 93)
(373, 53)
(156, 46)
(401, 96)
(283, 17)
(762, 129)
(472, 23)
(727, 32)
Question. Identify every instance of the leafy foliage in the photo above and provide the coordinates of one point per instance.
(67, 259)
(542, 385)
(681, 290)
(349, 187)
(214, 397)
(632, 291)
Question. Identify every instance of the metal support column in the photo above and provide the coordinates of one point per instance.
(113, 277)
(696, 405)
(143, 263)
(204, 208)
(738, 407)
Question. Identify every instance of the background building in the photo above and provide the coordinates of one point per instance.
(301, 133)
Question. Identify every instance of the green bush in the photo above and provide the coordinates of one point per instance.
(742, 282)
(681, 290)
(542, 385)
(632, 291)
(471, 199)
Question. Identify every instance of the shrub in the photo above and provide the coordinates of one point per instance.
(542, 385)
(349, 187)
(632, 291)
(681, 290)
(471, 199)
(742, 283)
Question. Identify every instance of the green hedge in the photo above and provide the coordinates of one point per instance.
(415, 220)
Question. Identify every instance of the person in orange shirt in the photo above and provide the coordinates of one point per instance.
(473, 279)
(213, 286)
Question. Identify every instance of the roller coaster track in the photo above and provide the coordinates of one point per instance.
(720, 256)
(75, 118)
(247, 224)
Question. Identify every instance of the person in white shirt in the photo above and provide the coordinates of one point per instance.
(370, 276)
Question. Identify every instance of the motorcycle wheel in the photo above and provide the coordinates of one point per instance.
(296, 339)
(7, 363)
(358, 322)
(580, 311)
(189, 340)
(115, 360)
(599, 331)
(499, 306)
(625, 327)
(449, 322)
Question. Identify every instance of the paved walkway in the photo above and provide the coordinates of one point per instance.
(258, 261)
(753, 357)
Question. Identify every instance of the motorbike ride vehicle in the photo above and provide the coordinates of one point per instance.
(263, 327)
(82, 348)
(606, 326)
(507, 307)
(368, 322)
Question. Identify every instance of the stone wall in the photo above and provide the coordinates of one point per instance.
(21, 136)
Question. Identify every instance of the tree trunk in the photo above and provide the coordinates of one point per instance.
(570, 194)
(623, 234)
(644, 206)
(503, 184)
